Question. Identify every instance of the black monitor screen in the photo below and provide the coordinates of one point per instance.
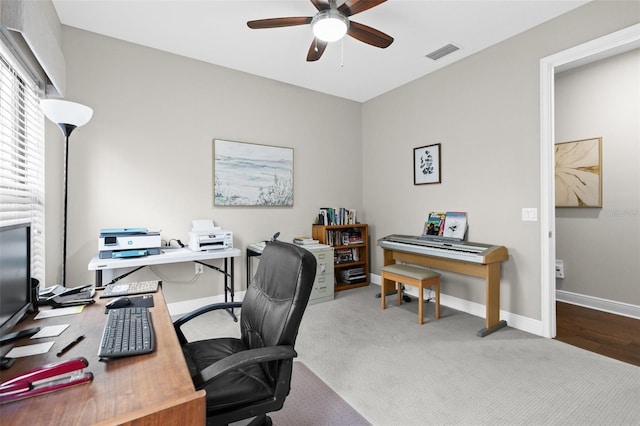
(15, 274)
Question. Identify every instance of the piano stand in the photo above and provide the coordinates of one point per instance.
(487, 267)
(488, 330)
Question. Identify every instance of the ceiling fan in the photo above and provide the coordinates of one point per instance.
(331, 23)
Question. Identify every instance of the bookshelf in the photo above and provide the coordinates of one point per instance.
(350, 251)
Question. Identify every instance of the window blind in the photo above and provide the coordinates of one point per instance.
(22, 155)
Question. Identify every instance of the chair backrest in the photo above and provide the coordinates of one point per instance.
(277, 296)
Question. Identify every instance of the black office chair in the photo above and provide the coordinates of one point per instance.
(251, 376)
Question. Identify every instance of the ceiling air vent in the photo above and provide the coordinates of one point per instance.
(443, 51)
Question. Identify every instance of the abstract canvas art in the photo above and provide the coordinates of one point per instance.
(578, 173)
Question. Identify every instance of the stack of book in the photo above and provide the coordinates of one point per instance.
(303, 241)
(353, 276)
(352, 237)
(346, 255)
(343, 237)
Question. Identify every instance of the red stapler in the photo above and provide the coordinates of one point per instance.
(44, 379)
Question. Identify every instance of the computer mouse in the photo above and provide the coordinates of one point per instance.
(120, 302)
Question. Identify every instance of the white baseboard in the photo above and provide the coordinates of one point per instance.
(513, 320)
(529, 325)
(611, 306)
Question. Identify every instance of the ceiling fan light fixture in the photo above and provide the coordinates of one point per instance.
(329, 25)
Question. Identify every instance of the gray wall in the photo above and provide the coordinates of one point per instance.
(601, 247)
(145, 158)
(484, 110)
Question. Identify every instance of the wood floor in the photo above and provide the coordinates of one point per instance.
(610, 335)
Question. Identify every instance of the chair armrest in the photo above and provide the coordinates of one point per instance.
(177, 324)
(241, 359)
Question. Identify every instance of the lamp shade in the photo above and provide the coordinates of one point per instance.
(66, 112)
(329, 25)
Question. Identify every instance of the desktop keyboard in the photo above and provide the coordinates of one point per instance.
(128, 331)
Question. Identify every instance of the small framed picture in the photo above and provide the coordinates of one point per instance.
(426, 164)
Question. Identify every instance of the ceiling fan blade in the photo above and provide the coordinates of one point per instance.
(279, 22)
(351, 7)
(316, 50)
(369, 35)
(321, 5)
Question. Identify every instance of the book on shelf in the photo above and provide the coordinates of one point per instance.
(346, 255)
(352, 272)
(351, 237)
(339, 237)
(455, 225)
(337, 216)
(353, 276)
(434, 224)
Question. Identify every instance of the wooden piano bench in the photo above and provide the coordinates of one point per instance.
(413, 276)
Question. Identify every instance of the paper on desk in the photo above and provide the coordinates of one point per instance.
(38, 348)
(60, 312)
(50, 331)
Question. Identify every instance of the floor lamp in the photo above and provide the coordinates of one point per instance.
(67, 115)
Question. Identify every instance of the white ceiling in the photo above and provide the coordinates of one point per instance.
(215, 31)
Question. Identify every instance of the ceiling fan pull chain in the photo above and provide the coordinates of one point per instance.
(342, 53)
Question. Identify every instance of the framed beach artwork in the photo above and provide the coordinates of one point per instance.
(426, 164)
(247, 174)
(578, 173)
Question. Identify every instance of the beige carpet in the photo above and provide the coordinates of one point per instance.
(313, 403)
(395, 372)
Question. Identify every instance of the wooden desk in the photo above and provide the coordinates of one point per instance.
(152, 389)
(490, 271)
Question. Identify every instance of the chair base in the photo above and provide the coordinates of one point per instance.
(261, 420)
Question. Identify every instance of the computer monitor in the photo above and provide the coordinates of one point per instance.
(15, 275)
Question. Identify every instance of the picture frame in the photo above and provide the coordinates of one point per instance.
(248, 174)
(578, 173)
(426, 164)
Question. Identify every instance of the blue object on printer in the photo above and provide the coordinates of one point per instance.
(128, 253)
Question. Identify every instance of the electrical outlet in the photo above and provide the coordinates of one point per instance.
(559, 269)
(530, 214)
(199, 268)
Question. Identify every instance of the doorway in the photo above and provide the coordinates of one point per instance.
(609, 45)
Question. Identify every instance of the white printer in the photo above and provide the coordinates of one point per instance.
(205, 236)
(127, 242)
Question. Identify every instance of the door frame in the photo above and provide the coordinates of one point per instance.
(600, 48)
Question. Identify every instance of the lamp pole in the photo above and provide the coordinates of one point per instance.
(66, 130)
(68, 116)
